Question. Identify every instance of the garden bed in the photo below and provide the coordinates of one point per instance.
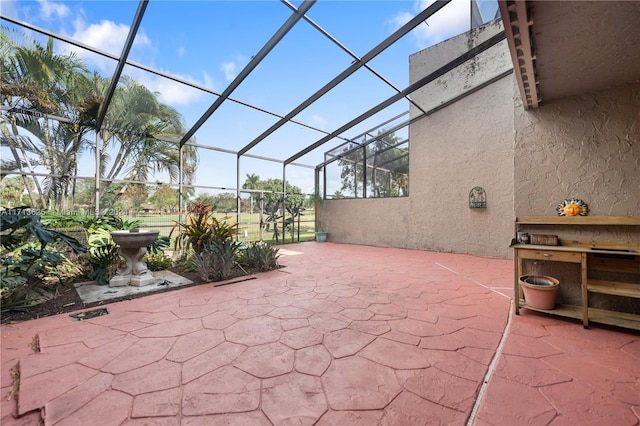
(65, 299)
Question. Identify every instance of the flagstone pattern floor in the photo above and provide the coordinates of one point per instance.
(343, 335)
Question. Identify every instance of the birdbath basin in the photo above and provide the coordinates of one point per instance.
(133, 246)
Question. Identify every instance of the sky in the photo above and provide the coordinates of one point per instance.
(209, 42)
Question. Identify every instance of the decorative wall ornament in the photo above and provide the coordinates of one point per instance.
(477, 198)
(573, 207)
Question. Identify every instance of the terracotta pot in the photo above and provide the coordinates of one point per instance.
(539, 291)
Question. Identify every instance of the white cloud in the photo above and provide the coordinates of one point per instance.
(451, 20)
(170, 92)
(49, 9)
(181, 51)
(229, 69)
(319, 120)
(109, 36)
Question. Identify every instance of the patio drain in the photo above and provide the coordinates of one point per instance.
(234, 281)
(89, 314)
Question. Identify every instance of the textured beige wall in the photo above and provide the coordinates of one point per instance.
(467, 144)
(586, 147)
(452, 151)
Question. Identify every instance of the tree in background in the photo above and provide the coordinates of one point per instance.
(12, 191)
(137, 128)
(251, 182)
(165, 199)
(387, 162)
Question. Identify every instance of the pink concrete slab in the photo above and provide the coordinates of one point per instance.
(251, 418)
(326, 323)
(294, 323)
(392, 336)
(226, 390)
(36, 391)
(291, 312)
(399, 356)
(69, 402)
(586, 405)
(157, 404)
(194, 344)
(218, 321)
(313, 360)
(55, 357)
(358, 384)
(170, 329)
(264, 361)
(254, 331)
(456, 364)
(512, 403)
(346, 342)
(110, 407)
(154, 377)
(351, 418)
(293, 399)
(210, 360)
(99, 357)
(534, 374)
(410, 409)
(194, 311)
(301, 337)
(440, 387)
(141, 353)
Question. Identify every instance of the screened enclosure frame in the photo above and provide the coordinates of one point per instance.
(298, 14)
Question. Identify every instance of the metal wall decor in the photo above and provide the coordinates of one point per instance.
(477, 198)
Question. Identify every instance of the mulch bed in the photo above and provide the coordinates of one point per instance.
(66, 299)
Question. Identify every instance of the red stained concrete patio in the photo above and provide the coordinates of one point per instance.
(343, 335)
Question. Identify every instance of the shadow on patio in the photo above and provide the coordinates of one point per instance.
(343, 335)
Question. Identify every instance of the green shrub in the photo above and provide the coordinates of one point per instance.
(157, 261)
(260, 256)
(201, 228)
(29, 253)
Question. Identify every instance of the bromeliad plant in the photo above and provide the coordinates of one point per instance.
(201, 228)
(260, 256)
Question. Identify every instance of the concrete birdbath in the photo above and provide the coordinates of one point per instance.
(133, 246)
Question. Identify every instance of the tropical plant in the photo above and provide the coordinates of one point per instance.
(26, 256)
(201, 228)
(224, 257)
(157, 261)
(103, 255)
(260, 256)
(36, 80)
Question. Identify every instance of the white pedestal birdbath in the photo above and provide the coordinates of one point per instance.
(133, 246)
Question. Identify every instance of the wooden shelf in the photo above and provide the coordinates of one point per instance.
(615, 288)
(612, 261)
(571, 311)
(579, 220)
(601, 316)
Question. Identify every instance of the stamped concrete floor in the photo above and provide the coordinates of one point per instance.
(343, 335)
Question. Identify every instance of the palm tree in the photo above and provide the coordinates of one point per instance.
(252, 182)
(38, 79)
(35, 78)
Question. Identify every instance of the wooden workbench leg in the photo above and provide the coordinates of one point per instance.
(585, 292)
(517, 269)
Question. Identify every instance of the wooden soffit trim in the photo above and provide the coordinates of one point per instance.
(518, 29)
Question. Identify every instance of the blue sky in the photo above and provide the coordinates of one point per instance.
(209, 42)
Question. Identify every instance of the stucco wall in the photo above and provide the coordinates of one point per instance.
(467, 144)
(586, 147)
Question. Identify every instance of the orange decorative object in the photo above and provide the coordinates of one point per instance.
(573, 207)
